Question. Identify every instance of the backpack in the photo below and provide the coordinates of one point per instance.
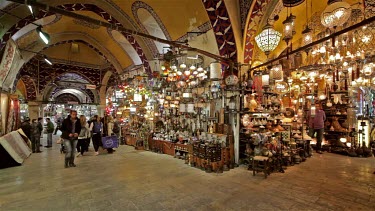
(116, 128)
(97, 127)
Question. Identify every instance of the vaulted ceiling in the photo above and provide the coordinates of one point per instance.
(79, 43)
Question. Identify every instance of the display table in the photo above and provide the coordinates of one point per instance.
(131, 139)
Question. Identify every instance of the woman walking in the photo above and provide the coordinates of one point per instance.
(83, 136)
(71, 128)
(96, 128)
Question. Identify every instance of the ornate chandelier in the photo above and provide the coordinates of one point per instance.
(336, 13)
(268, 39)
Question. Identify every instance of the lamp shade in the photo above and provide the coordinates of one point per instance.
(268, 39)
(265, 80)
(215, 70)
(182, 108)
(190, 107)
(276, 73)
(336, 13)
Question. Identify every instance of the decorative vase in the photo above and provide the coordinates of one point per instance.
(253, 103)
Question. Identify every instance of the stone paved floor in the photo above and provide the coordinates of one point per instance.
(138, 180)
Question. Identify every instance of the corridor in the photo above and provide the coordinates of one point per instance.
(139, 180)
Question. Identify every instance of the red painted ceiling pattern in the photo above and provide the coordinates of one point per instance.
(252, 27)
(222, 27)
(30, 87)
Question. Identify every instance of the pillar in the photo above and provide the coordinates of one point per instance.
(101, 110)
(35, 109)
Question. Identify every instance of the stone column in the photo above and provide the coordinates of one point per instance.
(101, 110)
(35, 109)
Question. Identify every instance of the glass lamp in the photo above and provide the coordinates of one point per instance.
(336, 13)
(268, 39)
(306, 36)
(276, 73)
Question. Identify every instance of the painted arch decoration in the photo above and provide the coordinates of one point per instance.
(222, 27)
(255, 17)
(142, 5)
(30, 87)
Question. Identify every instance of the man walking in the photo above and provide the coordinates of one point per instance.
(71, 127)
(50, 129)
(316, 125)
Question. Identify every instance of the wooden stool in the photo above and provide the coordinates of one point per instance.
(261, 164)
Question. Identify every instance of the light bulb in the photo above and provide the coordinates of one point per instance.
(322, 49)
(183, 65)
(174, 67)
(200, 69)
(187, 72)
(192, 67)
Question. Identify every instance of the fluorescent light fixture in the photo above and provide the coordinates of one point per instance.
(44, 36)
(31, 9)
(47, 60)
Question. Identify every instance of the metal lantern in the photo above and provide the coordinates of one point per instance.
(289, 30)
(268, 39)
(276, 73)
(190, 107)
(232, 103)
(336, 13)
(306, 36)
(215, 70)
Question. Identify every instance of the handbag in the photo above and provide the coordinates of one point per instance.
(110, 142)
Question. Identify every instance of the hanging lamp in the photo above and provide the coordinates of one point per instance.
(336, 13)
(268, 39)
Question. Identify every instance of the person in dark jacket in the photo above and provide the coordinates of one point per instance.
(35, 136)
(71, 127)
(26, 127)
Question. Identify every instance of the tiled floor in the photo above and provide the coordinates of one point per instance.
(138, 180)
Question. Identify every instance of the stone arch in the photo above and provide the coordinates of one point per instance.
(142, 5)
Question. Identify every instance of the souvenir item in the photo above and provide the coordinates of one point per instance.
(231, 80)
(253, 103)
